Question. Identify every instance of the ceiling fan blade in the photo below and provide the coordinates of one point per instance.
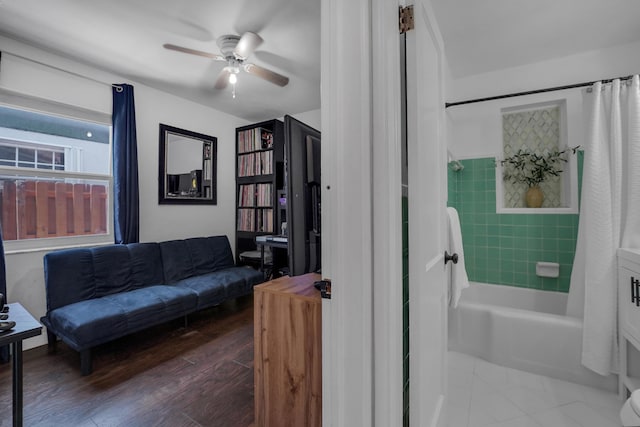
(271, 76)
(247, 44)
(194, 52)
(223, 79)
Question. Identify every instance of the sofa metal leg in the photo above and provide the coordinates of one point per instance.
(52, 341)
(85, 362)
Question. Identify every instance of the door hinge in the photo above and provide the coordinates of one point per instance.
(324, 286)
(406, 19)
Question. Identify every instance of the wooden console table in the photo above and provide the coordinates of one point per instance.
(288, 352)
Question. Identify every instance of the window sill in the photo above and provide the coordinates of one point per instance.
(537, 211)
(39, 245)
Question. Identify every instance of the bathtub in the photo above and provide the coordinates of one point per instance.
(523, 329)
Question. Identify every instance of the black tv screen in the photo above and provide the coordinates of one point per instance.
(302, 144)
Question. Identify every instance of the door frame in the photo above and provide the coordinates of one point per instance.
(387, 215)
(361, 133)
(347, 339)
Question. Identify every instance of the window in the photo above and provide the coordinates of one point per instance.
(55, 177)
(31, 157)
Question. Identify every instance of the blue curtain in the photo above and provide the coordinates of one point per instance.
(126, 218)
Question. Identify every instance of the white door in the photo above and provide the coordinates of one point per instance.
(427, 220)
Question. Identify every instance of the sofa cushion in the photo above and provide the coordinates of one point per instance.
(210, 253)
(176, 260)
(99, 320)
(210, 288)
(218, 286)
(201, 253)
(249, 276)
(146, 264)
(68, 277)
(111, 270)
(221, 256)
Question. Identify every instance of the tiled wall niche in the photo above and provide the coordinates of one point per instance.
(538, 128)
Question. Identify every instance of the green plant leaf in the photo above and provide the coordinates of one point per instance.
(532, 168)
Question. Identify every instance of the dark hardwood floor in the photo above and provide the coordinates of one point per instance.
(169, 375)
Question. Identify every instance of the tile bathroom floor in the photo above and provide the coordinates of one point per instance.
(488, 395)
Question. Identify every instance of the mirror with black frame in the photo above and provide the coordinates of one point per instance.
(187, 167)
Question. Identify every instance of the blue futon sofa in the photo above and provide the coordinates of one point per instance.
(95, 295)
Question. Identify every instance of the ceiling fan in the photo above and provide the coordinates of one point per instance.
(234, 51)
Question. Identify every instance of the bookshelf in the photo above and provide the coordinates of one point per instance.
(207, 179)
(259, 180)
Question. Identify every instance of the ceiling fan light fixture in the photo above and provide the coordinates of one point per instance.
(233, 71)
(235, 51)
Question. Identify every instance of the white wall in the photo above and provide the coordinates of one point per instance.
(25, 276)
(312, 118)
(179, 221)
(474, 130)
(600, 64)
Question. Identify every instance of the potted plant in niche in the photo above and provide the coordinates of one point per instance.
(532, 169)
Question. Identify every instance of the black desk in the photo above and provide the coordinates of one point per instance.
(271, 241)
(26, 327)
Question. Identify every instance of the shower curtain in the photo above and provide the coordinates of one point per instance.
(610, 196)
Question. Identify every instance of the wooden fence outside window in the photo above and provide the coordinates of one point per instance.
(41, 209)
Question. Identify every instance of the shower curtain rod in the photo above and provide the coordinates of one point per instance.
(532, 92)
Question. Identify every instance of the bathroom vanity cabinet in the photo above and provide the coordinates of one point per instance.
(629, 316)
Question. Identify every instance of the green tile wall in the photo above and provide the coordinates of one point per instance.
(504, 248)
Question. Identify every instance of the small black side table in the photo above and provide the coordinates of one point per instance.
(26, 327)
(271, 241)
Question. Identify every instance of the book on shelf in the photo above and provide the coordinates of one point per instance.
(266, 163)
(254, 140)
(246, 220)
(206, 169)
(264, 194)
(261, 221)
(253, 164)
(246, 195)
(265, 221)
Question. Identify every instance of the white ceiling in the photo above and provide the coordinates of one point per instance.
(126, 37)
(487, 35)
